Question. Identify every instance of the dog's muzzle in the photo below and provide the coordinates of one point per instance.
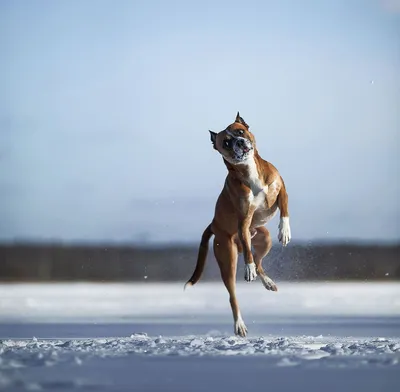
(242, 148)
(243, 144)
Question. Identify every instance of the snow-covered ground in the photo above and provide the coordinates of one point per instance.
(149, 337)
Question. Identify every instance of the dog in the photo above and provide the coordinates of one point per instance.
(253, 192)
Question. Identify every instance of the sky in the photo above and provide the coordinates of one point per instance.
(105, 109)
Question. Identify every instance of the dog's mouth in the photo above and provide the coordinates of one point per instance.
(242, 149)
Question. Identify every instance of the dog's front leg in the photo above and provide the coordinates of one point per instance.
(245, 219)
(284, 233)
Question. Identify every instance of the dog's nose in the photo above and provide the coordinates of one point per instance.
(243, 145)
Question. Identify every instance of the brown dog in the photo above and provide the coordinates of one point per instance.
(252, 193)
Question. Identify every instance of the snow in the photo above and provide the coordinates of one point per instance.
(308, 336)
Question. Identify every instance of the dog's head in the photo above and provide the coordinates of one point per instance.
(235, 143)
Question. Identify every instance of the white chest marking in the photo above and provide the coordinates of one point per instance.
(258, 189)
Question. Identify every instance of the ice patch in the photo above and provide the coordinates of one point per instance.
(79, 302)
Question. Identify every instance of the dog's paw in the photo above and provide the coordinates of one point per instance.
(284, 234)
(250, 272)
(240, 328)
(268, 283)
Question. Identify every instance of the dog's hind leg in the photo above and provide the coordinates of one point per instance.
(262, 244)
(225, 250)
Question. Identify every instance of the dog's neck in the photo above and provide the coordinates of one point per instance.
(248, 172)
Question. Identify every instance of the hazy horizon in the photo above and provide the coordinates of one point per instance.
(105, 111)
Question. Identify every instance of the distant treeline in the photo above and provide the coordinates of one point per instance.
(60, 262)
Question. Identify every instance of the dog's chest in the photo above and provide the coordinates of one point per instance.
(258, 190)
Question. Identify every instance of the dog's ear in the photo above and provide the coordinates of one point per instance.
(213, 137)
(240, 120)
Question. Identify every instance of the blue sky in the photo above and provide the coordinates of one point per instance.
(105, 109)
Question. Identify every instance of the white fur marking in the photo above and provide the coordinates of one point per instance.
(284, 234)
(258, 189)
(240, 327)
(254, 180)
(250, 272)
(268, 283)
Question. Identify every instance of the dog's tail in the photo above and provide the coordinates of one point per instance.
(201, 257)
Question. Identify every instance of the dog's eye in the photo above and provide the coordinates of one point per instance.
(240, 132)
(228, 143)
